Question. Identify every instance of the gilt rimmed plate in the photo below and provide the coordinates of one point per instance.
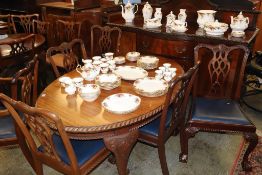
(121, 103)
(147, 62)
(108, 81)
(151, 87)
(130, 72)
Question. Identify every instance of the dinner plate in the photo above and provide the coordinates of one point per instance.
(3, 36)
(130, 72)
(151, 87)
(147, 62)
(121, 103)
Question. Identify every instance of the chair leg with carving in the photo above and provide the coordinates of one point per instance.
(185, 134)
(252, 138)
(162, 158)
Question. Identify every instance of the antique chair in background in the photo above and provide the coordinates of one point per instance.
(43, 28)
(68, 30)
(253, 82)
(22, 86)
(24, 22)
(215, 106)
(105, 39)
(14, 54)
(6, 26)
(65, 155)
(63, 58)
(159, 130)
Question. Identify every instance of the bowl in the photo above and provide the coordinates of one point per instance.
(132, 56)
(215, 28)
(108, 81)
(89, 92)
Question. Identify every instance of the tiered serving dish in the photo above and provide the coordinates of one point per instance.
(148, 62)
(108, 81)
(130, 72)
(121, 103)
(151, 87)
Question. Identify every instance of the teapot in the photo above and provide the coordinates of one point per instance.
(88, 74)
(128, 12)
(239, 23)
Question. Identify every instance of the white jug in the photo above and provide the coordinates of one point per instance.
(128, 12)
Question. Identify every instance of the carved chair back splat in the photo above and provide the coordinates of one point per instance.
(6, 25)
(25, 78)
(24, 21)
(49, 152)
(65, 57)
(106, 38)
(172, 116)
(218, 110)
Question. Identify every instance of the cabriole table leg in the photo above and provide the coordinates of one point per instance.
(121, 146)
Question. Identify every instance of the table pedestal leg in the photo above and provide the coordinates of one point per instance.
(121, 145)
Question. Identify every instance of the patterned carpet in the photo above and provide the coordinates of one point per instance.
(209, 154)
(255, 159)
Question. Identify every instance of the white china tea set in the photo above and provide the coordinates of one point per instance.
(206, 20)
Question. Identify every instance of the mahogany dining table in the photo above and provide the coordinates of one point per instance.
(11, 38)
(89, 120)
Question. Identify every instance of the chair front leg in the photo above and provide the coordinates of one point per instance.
(162, 158)
(252, 138)
(185, 134)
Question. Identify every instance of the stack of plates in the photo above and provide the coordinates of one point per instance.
(130, 72)
(148, 62)
(151, 87)
(108, 81)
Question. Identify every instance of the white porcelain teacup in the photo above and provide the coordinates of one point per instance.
(167, 76)
(159, 74)
(70, 90)
(96, 58)
(104, 68)
(78, 81)
(109, 55)
(65, 81)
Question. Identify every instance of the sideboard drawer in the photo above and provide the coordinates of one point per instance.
(181, 49)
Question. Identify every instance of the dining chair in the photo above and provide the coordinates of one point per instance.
(105, 39)
(215, 106)
(157, 132)
(42, 28)
(56, 150)
(15, 54)
(6, 26)
(22, 86)
(24, 23)
(68, 30)
(65, 57)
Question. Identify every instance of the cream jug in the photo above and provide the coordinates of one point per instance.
(128, 12)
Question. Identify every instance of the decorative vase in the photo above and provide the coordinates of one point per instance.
(182, 15)
(158, 13)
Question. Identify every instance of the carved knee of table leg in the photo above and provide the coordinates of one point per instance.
(252, 138)
(185, 134)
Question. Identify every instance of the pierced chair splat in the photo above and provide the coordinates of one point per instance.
(215, 106)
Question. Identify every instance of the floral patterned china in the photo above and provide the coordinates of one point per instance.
(120, 60)
(108, 81)
(148, 62)
(151, 87)
(132, 56)
(130, 72)
(64, 81)
(89, 92)
(121, 103)
(215, 28)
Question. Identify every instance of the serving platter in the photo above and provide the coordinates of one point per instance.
(151, 87)
(108, 81)
(121, 103)
(130, 72)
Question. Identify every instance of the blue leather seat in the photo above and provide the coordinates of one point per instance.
(218, 110)
(84, 150)
(152, 128)
(7, 129)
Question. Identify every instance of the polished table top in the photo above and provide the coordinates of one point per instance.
(89, 117)
(5, 49)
